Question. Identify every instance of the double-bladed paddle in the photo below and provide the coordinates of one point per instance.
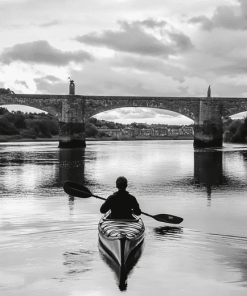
(79, 190)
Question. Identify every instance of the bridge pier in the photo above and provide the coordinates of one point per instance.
(208, 130)
(71, 135)
(72, 123)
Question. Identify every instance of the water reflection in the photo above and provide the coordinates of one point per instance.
(71, 165)
(208, 170)
(78, 261)
(121, 272)
(71, 204)
(169, 232)
(244, 154)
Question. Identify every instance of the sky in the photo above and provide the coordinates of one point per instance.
(125, 47)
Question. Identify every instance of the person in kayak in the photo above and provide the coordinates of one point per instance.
(121, 203)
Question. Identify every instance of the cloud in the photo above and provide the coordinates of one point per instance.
(232, 17)
(104, 78)
(22, 83)
(51, 84)
(151, 65)
(50, 24)
(148, 37)
(41, 52)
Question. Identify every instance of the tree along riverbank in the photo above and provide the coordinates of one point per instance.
(19, 126)
(235, 131)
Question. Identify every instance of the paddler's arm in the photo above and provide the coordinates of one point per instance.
(106, 206)
(136, 207)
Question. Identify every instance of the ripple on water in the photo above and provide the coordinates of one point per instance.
(204, 254)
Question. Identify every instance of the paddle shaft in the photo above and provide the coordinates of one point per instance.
(79, 190)
(98, 196)
(143, 213)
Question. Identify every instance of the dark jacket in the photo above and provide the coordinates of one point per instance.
(122, 205)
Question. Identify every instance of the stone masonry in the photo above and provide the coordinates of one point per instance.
(72, 111)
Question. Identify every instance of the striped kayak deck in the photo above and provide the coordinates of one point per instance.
(120, 237)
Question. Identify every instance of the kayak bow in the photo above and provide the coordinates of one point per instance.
(120, 237)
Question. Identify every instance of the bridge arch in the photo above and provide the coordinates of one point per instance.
(45, 103)
(180, 118)
(233, 106)
(182, 106)
(237, 112)
(22, 108)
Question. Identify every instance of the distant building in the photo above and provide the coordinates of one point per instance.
(111, 132)
(151, 131)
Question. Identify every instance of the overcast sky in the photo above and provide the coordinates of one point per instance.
(125, 47)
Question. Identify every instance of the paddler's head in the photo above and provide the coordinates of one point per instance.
(121, 183)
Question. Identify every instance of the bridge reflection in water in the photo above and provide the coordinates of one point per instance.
(208, 170)
(71, 165)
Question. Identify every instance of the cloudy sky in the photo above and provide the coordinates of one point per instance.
(125, 47)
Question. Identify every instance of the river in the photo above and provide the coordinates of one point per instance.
(49, 242)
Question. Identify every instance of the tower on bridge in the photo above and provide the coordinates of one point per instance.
(71, 87)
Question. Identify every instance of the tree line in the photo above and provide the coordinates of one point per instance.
(43, 125)
(27, 125)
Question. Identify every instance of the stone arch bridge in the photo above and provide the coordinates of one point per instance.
(72, 111)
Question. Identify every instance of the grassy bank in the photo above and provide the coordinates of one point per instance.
(18, 138)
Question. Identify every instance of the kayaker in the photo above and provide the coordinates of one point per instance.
(121, 203)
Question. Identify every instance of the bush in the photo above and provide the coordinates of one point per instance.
(28, 134)
(90, 130)
(3, 111)
(102, 134)
(227, 136)
(40, 127)
(7, 128)
(19, 121)
(10, 116)
(53, 127)
(233, 127)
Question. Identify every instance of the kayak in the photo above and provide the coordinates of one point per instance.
(121, 237)
(121, 272)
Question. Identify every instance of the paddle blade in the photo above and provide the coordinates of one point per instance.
(168, 218)
(76, 189)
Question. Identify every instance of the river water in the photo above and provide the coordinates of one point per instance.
(49, 242)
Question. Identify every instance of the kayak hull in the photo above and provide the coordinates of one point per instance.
(121, 272)
(121, 237)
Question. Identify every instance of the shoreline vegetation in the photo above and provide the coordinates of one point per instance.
(42, 127)
(32, 127)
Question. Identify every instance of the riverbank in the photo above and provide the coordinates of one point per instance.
(14, 138)
(17, 138)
